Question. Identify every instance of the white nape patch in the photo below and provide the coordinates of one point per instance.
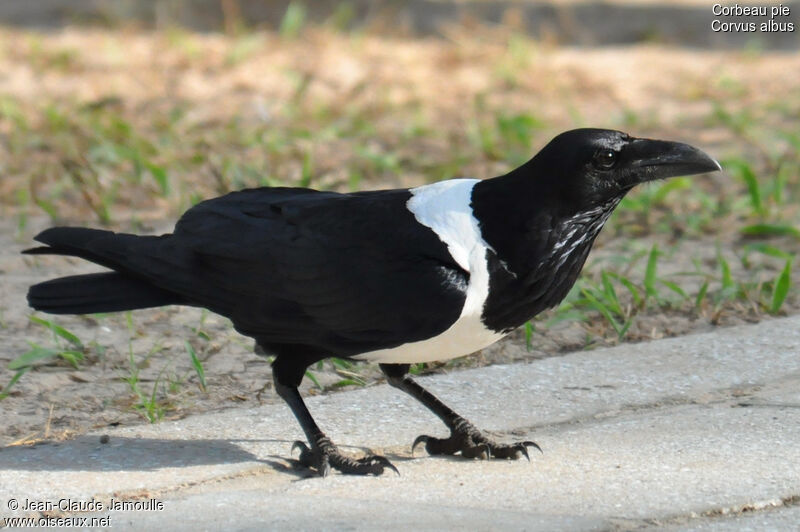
(445, 208)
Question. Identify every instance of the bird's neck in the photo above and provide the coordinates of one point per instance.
(517, 214)
(537, 249)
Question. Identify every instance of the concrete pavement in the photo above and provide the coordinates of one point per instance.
(694, 433)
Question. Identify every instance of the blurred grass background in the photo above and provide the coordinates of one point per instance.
(109, 118)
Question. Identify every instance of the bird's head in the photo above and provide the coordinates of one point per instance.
(591, 167)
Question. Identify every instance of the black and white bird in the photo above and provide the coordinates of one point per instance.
(390, 276)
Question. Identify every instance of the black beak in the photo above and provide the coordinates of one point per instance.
(659, 159)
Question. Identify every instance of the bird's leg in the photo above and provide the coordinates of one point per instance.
(323, 455)
(464, 436)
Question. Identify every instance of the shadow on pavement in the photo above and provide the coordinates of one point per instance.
(86, 453)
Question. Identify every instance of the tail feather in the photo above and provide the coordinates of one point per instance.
(95, 245)
(76, 238)
(97, 292)
(113, 291)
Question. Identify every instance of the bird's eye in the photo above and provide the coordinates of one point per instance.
(604, 158)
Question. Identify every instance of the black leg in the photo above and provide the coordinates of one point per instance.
(464, 436)
(323, 455)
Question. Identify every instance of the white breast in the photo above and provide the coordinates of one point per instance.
(445, 208)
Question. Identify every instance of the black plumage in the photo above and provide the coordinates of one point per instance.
(279, 262)
(396, 276)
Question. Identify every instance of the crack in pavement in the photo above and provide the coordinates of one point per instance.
(765, 506)
(730, 395)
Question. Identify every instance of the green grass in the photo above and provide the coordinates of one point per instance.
(65, 346)
(617, 299)
(150, 404)
(5, 391)
(293, 20)
(197, 365)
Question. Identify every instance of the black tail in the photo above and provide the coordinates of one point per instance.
(96, 292)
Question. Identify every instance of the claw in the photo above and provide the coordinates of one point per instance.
(532, 444)
(420, 439)
(384, 462)
(324, 467)
(301, 445)
(470, 443)
(324, 456)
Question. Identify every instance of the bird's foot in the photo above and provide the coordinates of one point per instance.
(471, 443)
(324, 455)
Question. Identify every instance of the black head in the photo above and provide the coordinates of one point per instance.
(590, 167)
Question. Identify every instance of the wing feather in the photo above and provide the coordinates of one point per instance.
(346, 273)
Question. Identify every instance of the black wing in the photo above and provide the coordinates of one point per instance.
(344, 273)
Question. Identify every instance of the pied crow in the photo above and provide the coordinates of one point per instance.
(390, 276)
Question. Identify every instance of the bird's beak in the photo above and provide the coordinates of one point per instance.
(659, 159)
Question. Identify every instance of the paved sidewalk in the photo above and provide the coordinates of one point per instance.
(699, 432)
